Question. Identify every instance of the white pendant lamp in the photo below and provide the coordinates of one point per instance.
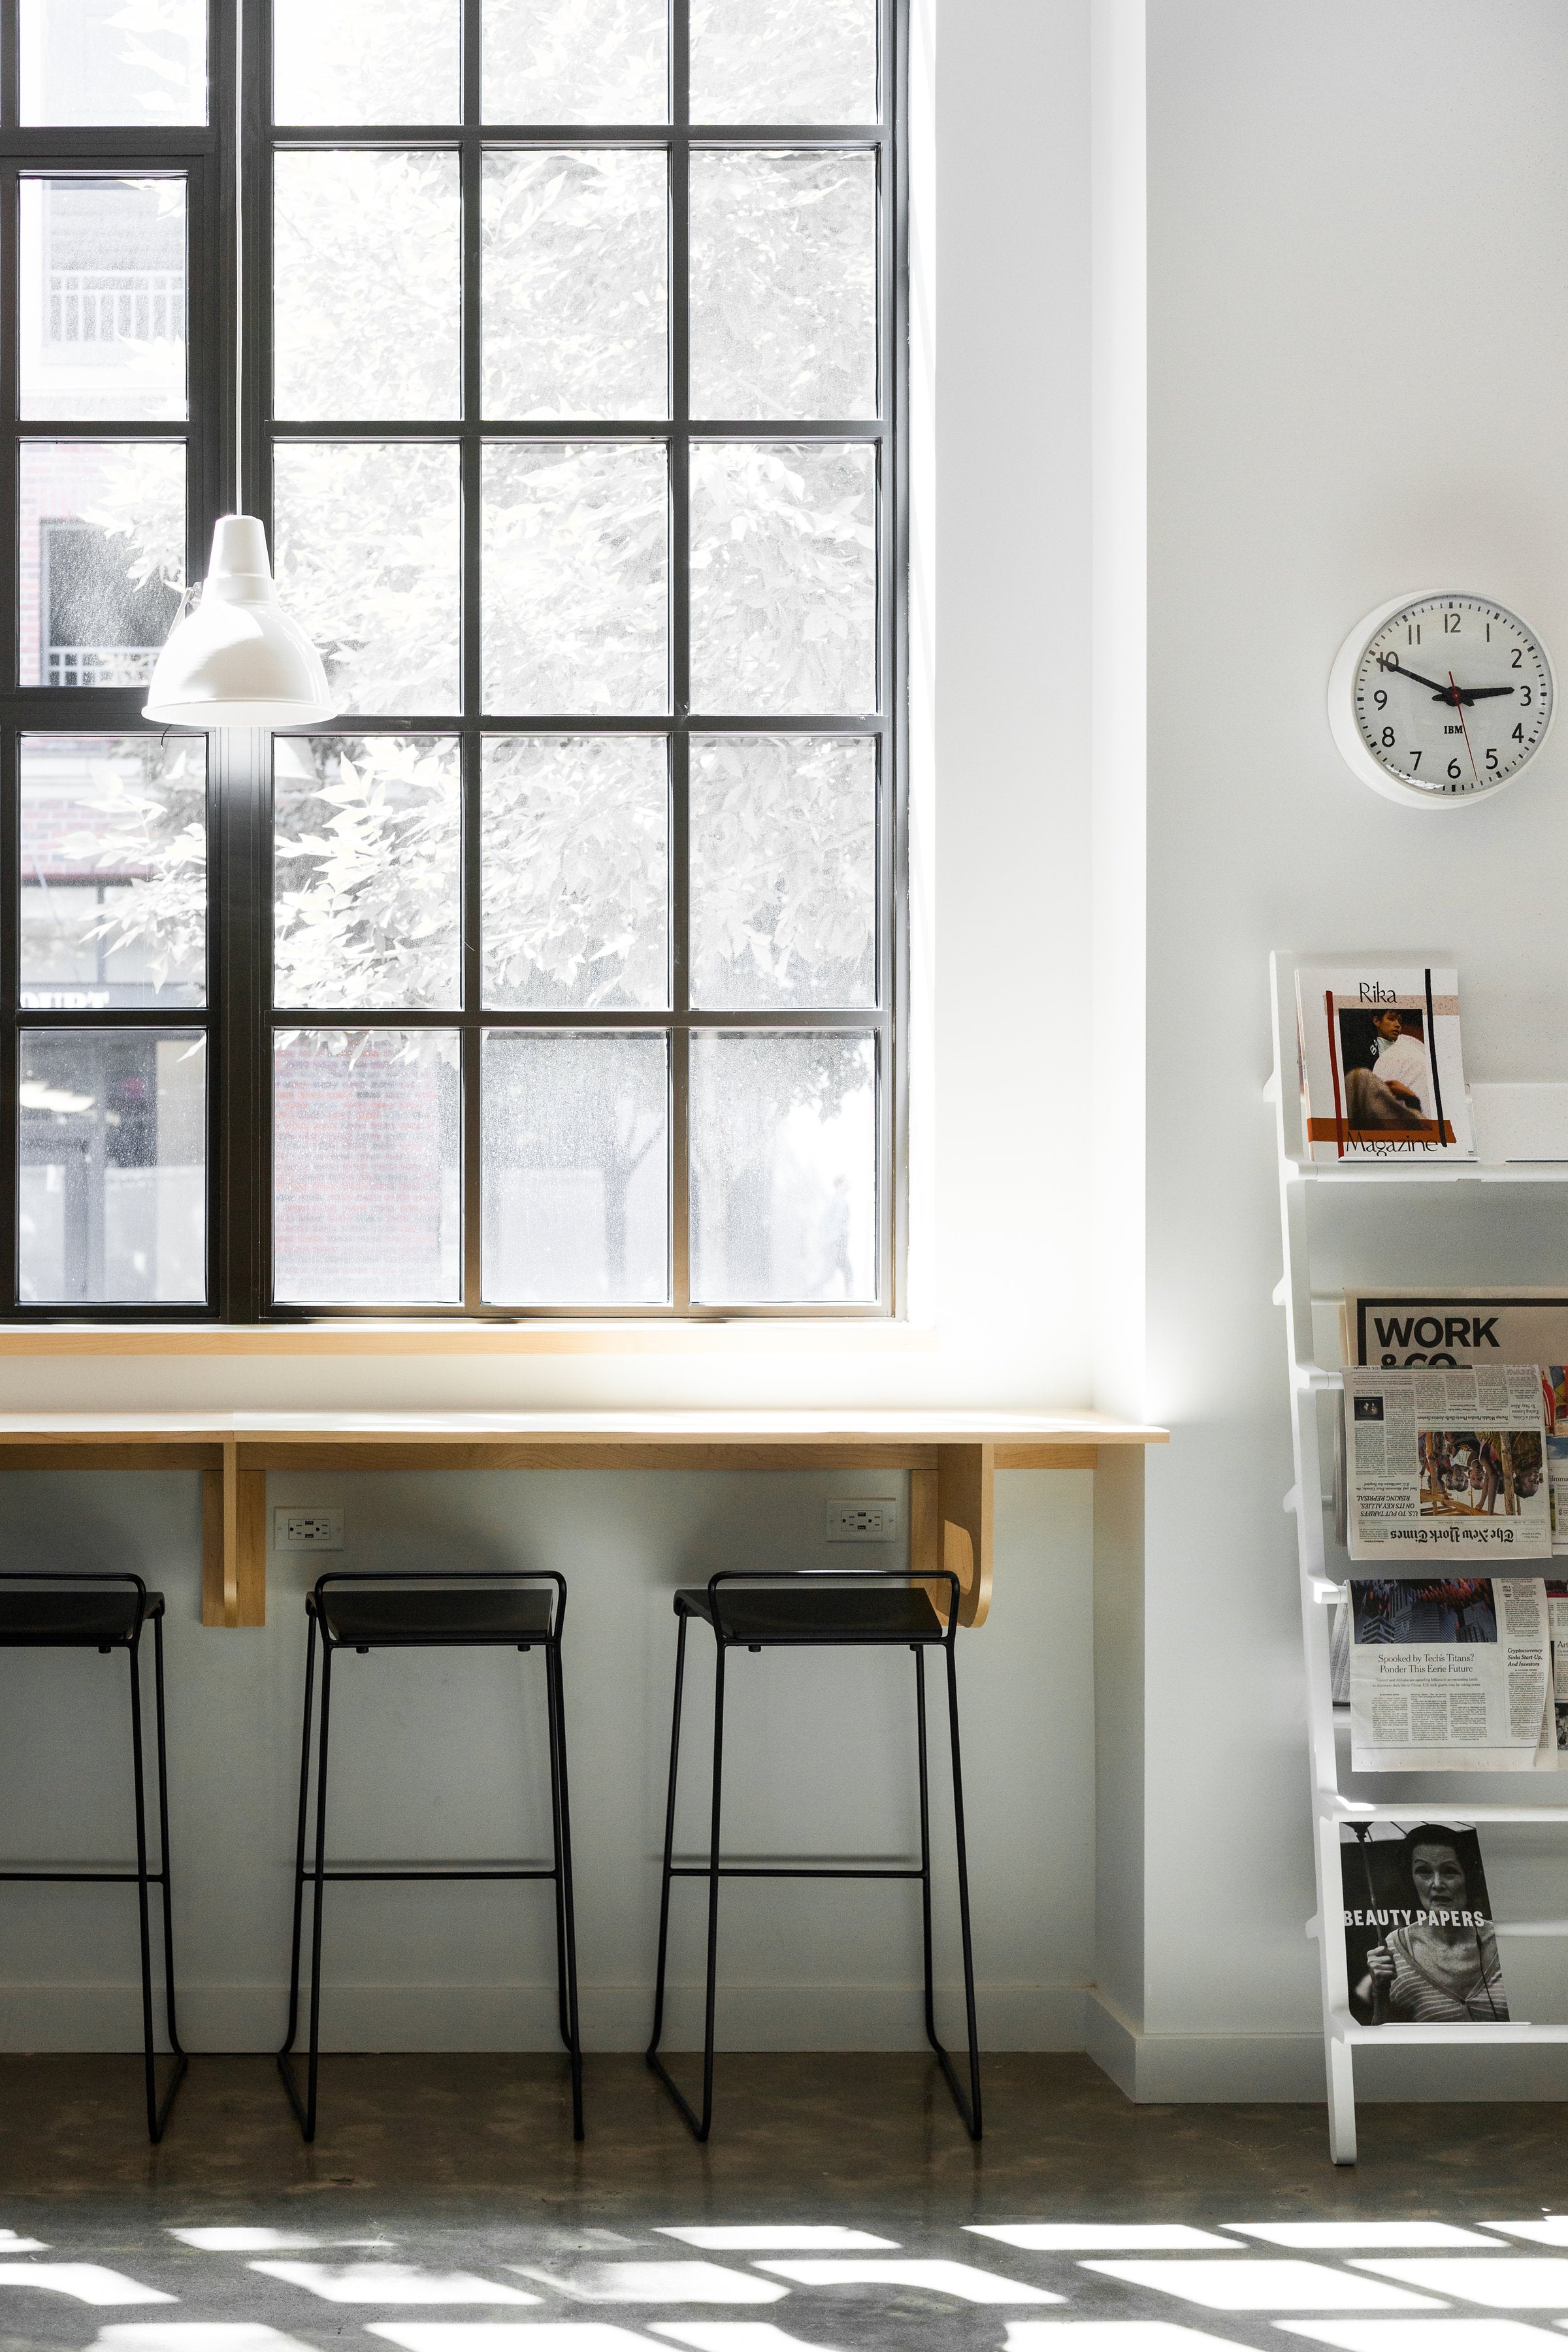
(239, 660)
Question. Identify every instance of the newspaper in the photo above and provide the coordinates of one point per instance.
(1475, 1326)
(1450, 1675)
(1420, 1947)
(1447, 1462)
(1557, 1623)
(1381, 1075)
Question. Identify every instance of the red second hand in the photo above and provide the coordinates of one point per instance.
(1460, 709)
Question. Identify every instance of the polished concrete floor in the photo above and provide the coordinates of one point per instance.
(446, 2209)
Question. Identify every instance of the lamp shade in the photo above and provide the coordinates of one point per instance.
(237, 660)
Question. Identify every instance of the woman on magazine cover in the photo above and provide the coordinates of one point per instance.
(1442, 1969)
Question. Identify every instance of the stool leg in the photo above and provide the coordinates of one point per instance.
(960, 1843)
(713, 1896)
(174, 2043)
(566, 1920)
(969, 2109)
(921, 1752)
(651, 2053)
(319, 1889)
(283, 2065)
(153, 2126)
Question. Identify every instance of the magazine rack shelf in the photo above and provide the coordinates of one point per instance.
(1310, 1500)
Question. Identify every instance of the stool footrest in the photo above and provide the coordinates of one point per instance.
(311, 1876)
(759, 1870)
(79, 1878)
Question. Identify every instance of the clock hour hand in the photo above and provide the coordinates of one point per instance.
(1480, 693)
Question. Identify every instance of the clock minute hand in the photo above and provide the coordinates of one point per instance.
(1443, 693)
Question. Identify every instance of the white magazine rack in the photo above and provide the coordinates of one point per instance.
(1530, 1122)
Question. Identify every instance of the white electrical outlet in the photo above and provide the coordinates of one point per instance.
(297, 1530)
(862, 1522)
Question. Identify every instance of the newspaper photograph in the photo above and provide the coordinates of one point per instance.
(1420, 1947)
(1452, 1461)
(1450, 1675)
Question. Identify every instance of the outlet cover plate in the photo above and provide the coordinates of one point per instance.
(294, 1529)
(875, 1522)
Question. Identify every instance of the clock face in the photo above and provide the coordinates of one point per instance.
(1450, 697)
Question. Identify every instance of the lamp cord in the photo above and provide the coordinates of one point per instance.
(239, 255)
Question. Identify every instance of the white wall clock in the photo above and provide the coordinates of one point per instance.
(1437, 700)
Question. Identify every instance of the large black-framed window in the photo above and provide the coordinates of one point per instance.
(562, 972)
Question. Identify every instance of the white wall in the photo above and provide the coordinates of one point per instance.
(1358, 223)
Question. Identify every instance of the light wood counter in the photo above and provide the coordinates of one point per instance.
(952, 1458)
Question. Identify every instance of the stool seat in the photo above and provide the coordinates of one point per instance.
(76, 1620)
(411, 1617)
(814, 1611)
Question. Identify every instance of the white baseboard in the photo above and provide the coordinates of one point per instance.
(1157, 2069)
(250, 2017)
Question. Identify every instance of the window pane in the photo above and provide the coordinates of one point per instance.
(575, 888)
(103, 297)
(114, 871)
(368, 839)
(367, 278)
(365, 1166)
(576, 1170)
(784, 285)
(576, 556)
(113, 1180)
(103, 544)
(99, 62)
(783, 871)
(367, 558)
(364, 61)
(575, 287)
(783, 577)
(783, 1167)
(576, 61)
(783, 60)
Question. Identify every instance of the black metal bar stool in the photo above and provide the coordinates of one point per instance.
(95, 1613)
(423, 1609)
(817, 1609)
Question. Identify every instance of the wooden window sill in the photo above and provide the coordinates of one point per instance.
(762, 1336)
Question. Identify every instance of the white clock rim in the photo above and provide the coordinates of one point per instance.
(1342, 703)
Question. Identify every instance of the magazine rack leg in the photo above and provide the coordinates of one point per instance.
(1341, 2101)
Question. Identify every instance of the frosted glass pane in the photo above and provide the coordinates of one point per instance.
(103, 297)
(368, 538)
(365, 1126)
(367, 866)
(784, 285)
(574, 292)
(114, 871)
(112, 1177)
(576, 61)
(575, 558)
(575, 884)
(783, 60)
(85, 61)
(367, 279)
(576, 1170)
(783, 1167)
(783, 577)
(102, 549)
(783, 871)
(364, 61)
